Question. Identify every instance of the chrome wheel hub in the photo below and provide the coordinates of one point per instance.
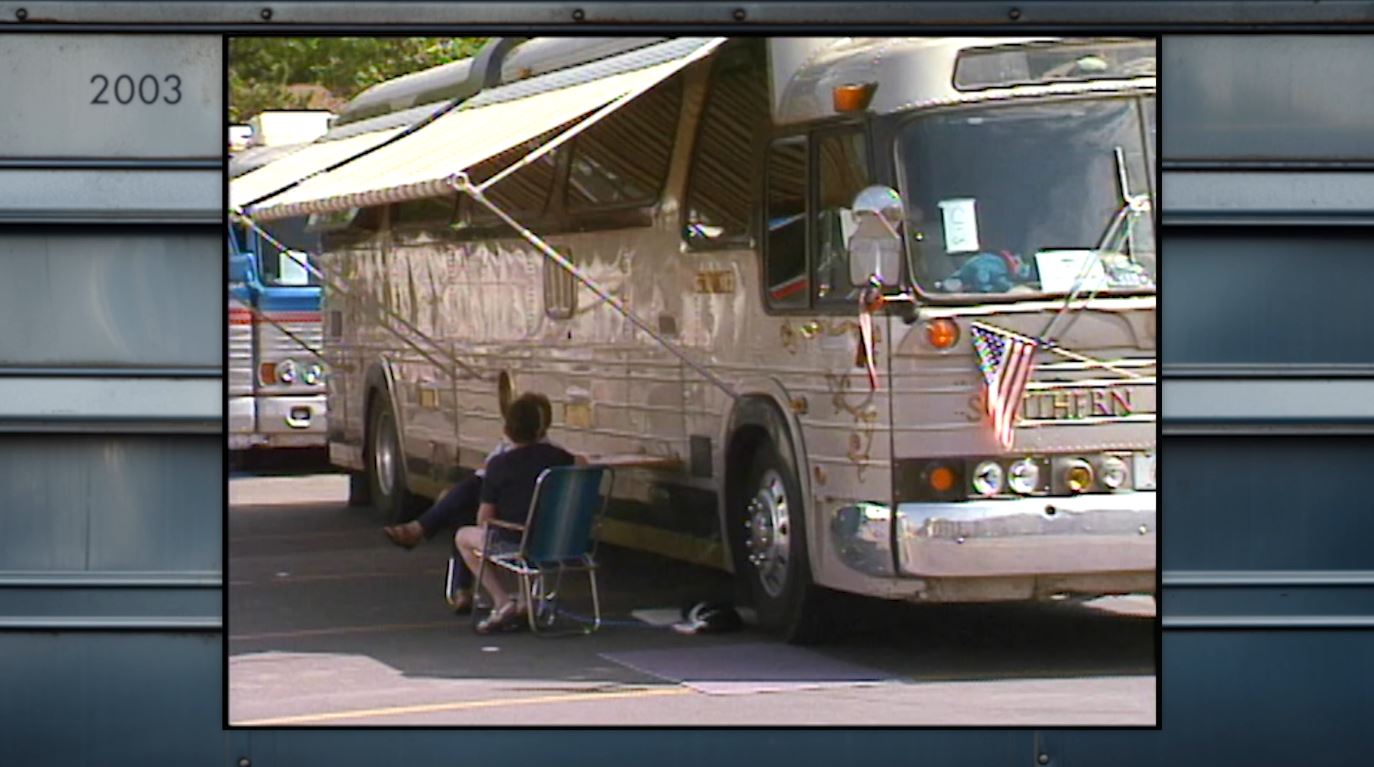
(384, 456)
(768, 536)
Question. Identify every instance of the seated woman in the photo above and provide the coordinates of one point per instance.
(506, 495)
(458, 507)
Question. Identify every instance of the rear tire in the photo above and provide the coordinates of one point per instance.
(773, 555)
(386, 477)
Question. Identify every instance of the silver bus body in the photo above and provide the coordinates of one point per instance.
(859, 454)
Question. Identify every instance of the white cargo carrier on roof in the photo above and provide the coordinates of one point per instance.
(883, 308)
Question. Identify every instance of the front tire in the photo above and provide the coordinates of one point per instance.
(386, 478)
(774, 558)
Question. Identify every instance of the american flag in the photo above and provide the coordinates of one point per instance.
(1006, 360)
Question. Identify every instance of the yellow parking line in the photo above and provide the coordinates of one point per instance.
(452, 623)
(431, 708)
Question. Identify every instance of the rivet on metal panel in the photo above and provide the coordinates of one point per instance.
(578, 14)
(266, 14)
(245, 762)
(740, 15)
(1043, 759)
(21, 14)
(1014, 14)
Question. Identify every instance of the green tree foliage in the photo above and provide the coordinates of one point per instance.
(324, 72)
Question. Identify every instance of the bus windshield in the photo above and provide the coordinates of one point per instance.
(1035, 199)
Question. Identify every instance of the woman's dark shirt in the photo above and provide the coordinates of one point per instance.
(509, 483)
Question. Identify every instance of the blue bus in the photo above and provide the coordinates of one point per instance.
(276, 376)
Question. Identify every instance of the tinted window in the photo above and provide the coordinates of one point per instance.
(524, 194)
(841, 172)
(623, 159)
(719, 191)
(785, 249)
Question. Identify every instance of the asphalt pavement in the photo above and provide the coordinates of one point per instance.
(330, 624)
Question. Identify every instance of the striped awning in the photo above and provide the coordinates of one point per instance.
(421, 164)
(302, 163)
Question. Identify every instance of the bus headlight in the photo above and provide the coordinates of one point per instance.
(286, 371)
(1025, 476)
(314, 373)
(1114, 474)
(1079, 476)
(987, 478)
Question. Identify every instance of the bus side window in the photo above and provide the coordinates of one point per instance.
(722, 178)
(524, 194)
(841, 173)
(785, 244)
(623, 159)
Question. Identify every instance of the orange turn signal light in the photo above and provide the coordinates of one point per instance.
(853, 97)
(267, 373)
(942, 333)
(941, 479)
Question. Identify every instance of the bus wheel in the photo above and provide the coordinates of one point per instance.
(774, 549)
(385, 470)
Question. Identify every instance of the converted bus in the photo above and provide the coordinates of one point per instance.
(878, 313)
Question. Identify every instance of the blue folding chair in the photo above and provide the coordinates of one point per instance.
(558, 537)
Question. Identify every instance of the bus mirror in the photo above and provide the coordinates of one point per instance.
(875, 248)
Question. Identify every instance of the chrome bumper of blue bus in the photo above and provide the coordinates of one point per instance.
(242, 422)
(1001, 538)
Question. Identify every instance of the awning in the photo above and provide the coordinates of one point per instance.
(420, 165)
(303, 162)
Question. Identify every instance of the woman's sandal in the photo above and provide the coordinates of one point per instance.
(507, 617)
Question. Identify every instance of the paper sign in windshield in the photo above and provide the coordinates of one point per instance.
(1060, 269)
(961, 225)
(289, 271)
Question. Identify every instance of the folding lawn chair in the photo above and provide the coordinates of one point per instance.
(558, 537)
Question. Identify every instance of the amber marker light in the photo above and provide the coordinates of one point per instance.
(267, 373)
(941, 479)
(942, 333)
(1079, 477)
(853, 97)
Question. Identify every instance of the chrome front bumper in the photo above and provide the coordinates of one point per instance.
(292, 421)
(1041, 536)
(242, 423)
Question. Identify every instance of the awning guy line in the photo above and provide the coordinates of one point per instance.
(379, 312)
(461, 183)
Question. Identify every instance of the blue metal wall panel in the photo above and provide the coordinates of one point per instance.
(1267, 503)
(1245, 698)
(1267, 296)
(104, 699)
(1268, 97)
(112, 298)
(111, 503)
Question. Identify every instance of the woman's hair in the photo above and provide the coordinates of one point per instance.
(545, 411)
(525, 419)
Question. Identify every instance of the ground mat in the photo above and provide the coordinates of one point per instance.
(738, 669)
